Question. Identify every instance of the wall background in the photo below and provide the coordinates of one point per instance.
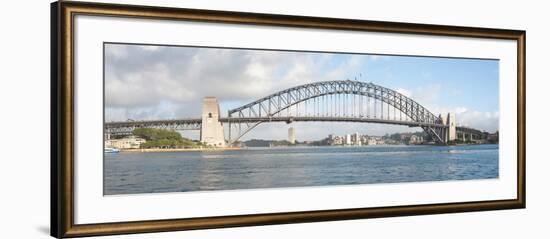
(24, 94)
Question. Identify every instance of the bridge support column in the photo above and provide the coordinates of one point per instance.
(443, 130)
(471, 137)
(211, 129)
(463, 137)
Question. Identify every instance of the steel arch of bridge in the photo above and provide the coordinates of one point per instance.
(272, 106)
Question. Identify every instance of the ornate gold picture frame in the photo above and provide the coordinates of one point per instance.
(63, 117)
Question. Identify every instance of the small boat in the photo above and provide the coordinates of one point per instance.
(111, 150)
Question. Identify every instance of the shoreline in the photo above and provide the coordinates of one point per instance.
(177, 150)
(244, 148)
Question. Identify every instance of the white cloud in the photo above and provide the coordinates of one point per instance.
(429, 96)
(426, 94)
(139, 77)
(150, 48)
(378, 57)
(487, 121)
(116, 51)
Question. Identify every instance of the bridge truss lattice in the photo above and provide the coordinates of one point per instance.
(335, 100)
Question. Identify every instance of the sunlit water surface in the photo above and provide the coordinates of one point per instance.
(127, 173)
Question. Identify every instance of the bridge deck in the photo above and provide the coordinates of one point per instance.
(126, 127)
(151, 123)
(327, 119)
(196, 122)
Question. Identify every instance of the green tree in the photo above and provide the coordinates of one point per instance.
(160, 138)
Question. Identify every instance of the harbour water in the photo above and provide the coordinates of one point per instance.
(129, 173)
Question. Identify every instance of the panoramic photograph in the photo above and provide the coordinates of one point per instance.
(190, 118)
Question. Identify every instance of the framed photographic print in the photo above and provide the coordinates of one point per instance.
(170, 119)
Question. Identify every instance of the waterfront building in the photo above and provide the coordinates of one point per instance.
(416, 139)
(493, 138)
(371, 141)
(291, 135)
(412, 139)
(364, 140)
(131, 142)
(348, 139)
(337, 140)
(356, 139)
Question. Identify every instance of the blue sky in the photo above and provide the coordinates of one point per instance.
(158, 82)
(471, 83)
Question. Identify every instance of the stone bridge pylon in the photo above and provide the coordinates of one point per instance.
(212, 132)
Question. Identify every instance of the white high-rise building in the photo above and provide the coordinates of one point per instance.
(348, 139)
(291, 135)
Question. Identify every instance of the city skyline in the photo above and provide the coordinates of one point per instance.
(158, 82)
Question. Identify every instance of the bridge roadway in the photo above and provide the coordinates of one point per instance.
(191, 123)
(195, 124)
(291, 119)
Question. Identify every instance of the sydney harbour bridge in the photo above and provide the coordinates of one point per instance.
(328, 101)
